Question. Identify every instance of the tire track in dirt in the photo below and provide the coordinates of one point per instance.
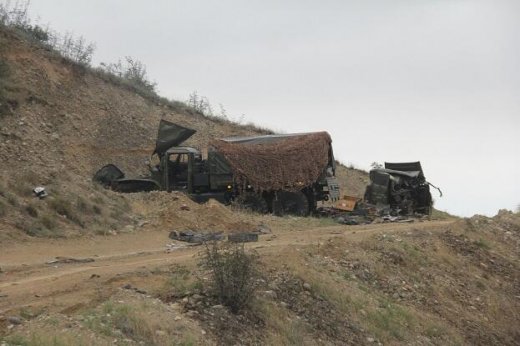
(63, 286)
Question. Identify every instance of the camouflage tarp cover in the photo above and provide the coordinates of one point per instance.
(277, 162)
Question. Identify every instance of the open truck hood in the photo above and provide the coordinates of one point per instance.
(170, 135)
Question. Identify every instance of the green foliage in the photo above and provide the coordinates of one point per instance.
(15, 15)
(482, 243)
(182, 281)
(64, 208)
(390, 319)
(76, 49)
(200, 104)
(130, 71)
(233, 273)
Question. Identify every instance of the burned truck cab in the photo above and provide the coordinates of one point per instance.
(178, 168)
(400, 187)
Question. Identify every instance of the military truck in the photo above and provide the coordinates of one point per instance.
(282, 174)
(400, 189)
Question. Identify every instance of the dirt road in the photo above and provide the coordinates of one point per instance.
(28, 277)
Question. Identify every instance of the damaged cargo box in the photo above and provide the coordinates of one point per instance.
(401, 189)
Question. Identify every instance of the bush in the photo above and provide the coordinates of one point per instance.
(16, 17)
(64, 208)
(132, 71)
(233, 273)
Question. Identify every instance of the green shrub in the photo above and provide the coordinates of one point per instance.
(233, 273)
(31, 210)
(64, 208)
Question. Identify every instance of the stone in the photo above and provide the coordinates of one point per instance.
(14, 320)
(306, 286)
(192, 313)
(196, 297)
(270, 294)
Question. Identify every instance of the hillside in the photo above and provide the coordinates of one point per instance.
(432, 283)
(66, 122)
(88, 266)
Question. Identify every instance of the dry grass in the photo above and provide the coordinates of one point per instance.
(147, 322)
(283, 328)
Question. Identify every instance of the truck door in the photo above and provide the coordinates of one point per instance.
(179, 171)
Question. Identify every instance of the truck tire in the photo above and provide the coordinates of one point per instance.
(253, 201)
(290, 203)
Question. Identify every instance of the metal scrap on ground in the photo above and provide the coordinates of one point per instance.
(195, 237)
(401, 189)
(70, 260)
(202, 237)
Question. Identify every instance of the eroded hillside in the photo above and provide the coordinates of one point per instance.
(63, 122)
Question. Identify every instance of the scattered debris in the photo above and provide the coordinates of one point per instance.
(198, 238)
(70, 260)
(400, 187)
(263, 229)
(172, 247)
(40, 192)
(242, 237)
(347, 203)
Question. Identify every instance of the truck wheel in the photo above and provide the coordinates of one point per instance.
(290, 203)
(253, 201)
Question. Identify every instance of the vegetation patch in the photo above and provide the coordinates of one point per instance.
(233, 272)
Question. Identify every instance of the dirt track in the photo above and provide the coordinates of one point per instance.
(27, 279)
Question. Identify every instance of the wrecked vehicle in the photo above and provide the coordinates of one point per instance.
(282, 174)
(400, 189)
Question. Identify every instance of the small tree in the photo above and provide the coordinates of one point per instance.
(200, 104)
(233, 273)
(131, 70)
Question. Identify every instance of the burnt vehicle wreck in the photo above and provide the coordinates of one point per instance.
(400, 189)
(282, 174)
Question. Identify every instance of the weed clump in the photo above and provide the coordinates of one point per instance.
(233, 273)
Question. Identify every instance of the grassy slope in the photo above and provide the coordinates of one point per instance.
(430, 284)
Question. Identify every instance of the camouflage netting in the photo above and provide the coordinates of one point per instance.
(288, 163)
